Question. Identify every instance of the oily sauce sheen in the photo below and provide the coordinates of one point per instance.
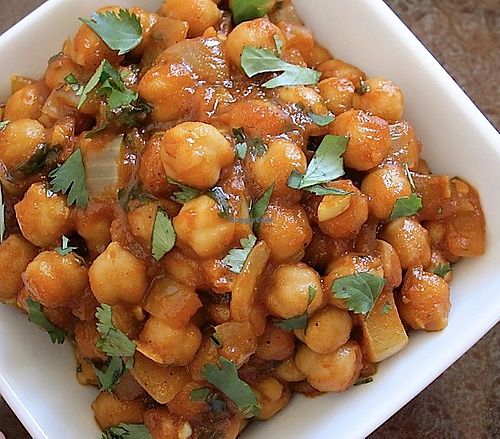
(221, 271)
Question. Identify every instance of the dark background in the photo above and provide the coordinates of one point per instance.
(464, 35)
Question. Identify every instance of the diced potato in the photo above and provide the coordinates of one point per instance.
(383, 333)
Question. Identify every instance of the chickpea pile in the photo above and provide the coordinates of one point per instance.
(189, 309)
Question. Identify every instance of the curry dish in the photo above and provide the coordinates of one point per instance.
(218, 213)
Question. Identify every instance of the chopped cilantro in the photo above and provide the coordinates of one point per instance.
(120, 31)
(127, 431)
(360, 291)
(259, 208)
(65, 249)
(69, 178)
(37, 316)
(326, 165)
(244, 10)
(443, 269)
(321, 121)
(406, 206)
(236, 257)
(164, 237)
(256, 60)
(113, 342)
(225, 377)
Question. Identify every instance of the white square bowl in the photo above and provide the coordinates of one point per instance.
(37, 378)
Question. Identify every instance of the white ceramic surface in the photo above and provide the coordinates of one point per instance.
(37, 378)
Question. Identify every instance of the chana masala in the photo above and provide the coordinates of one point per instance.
(218, 213)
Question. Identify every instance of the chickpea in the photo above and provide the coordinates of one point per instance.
(336, 68)
(405, 146)
(88, 50)
(272, 396)
(116, 275)
(337, 93)
(239, 341)
(183, 407)
(167, 345)
(384, 186)
(15, 255)
(333, 372)
(93, 224)
(383, 98)
(148, 21)
(424, 302)
(390, 262)
(86, 337)
(256, 33)
(27, 102)
(199, 14)
(276, 165)
(169, 88)
(289, 289)
(286, 231)
(151, 170)
(206, 354)
(110, 411)
(162, 424)
(275, 344)
(200, 227)
(43, 216)
(185, 270)
(194, 153)
(55, 280)
(342, 216)
(58, 69)
(288, 371)
(369, 138)
(306, 97)
(258, 118)
(19, 140)
(327, 330)
(410, 240)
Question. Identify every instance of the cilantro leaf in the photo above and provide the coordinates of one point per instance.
(111, 85)
(3, 124)
(65, 249)
(74, 84)
(236, 257)
(363, 381)
(185, 194)
(244, 10)
(360, 291)
(406, 206)
(127, 431)
(69, 178)
(113, 342)
(245, 144)
(2, 215)
(312, 291)
(319, 189)
(255, 61)
(163, 239)
(110, 376)
(321, 121)
(326, 164)
(120, 31)
(387, 308)
(259, 208)
(36, 316)
(443, 269)
(222, 200)
(200, 394)
(225, 378)
(298, 322)
(45, 156)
